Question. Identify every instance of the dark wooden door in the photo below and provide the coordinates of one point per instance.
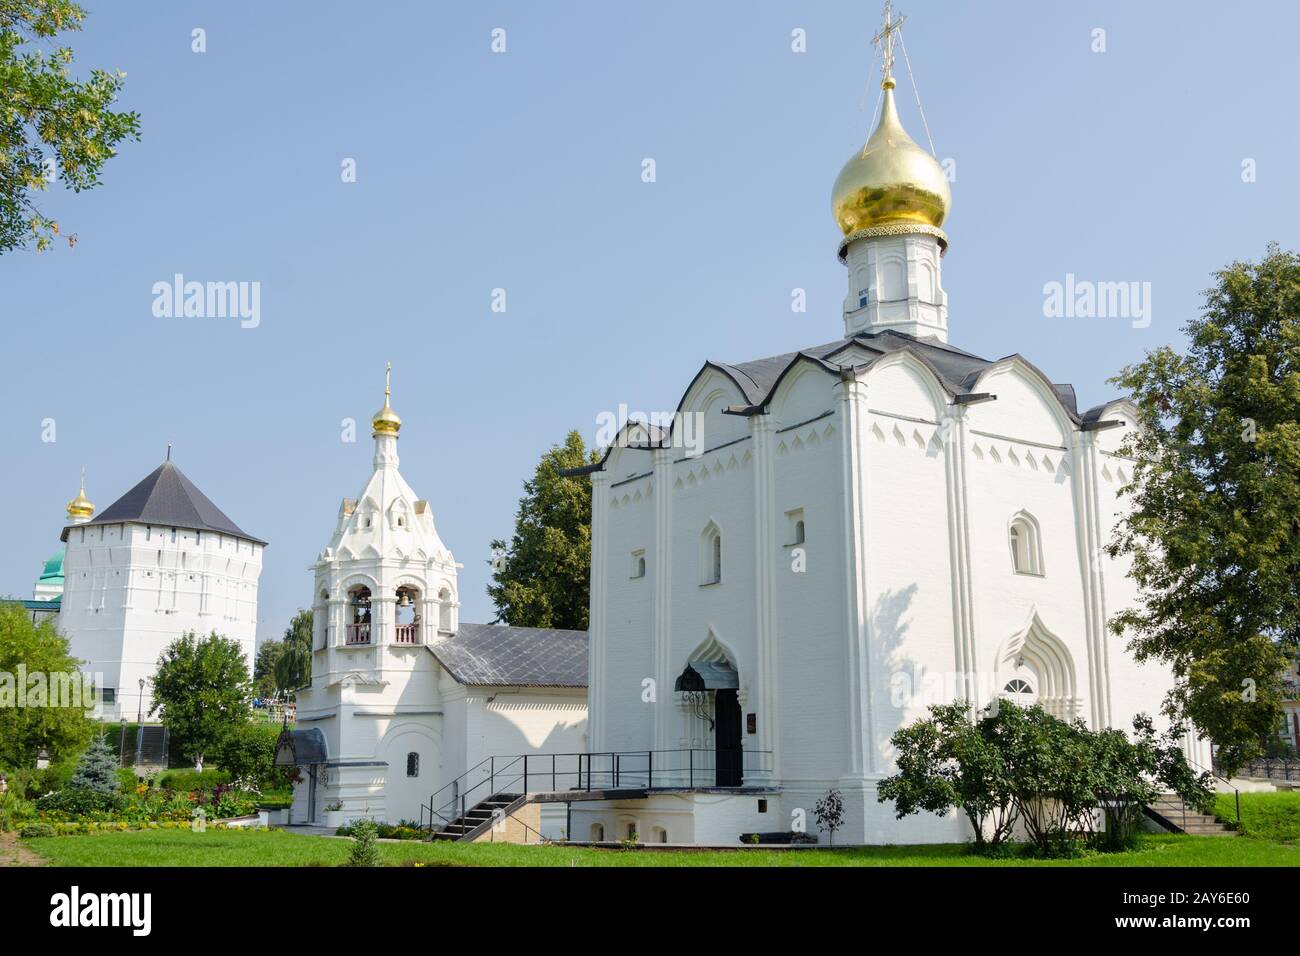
(727, 738)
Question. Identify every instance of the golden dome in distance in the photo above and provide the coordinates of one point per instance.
(891, 181)
(80, 506)
(386, 421)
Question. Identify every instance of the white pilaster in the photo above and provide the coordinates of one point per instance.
(662, 459)
(1085, 467)
(964, 617)
(851, 401)
(764, 700)
(596, 610)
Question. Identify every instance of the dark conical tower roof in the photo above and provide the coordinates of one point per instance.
(167, 497)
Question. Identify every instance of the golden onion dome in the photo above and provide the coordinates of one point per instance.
(80, 506)
(890, 182)
(386, 421)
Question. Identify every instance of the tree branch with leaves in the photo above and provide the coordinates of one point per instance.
(50, 123)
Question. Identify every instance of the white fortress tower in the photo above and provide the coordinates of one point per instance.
(159, 562)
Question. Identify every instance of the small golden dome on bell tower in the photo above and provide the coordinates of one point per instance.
(386, 421)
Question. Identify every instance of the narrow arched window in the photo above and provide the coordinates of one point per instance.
(412, 764)
(1026, 546)
(597, 833)
(710, 555)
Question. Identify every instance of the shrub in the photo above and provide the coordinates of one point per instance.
(403, 830)
(33, 830)
(365, 846)
(97, 769)
(15, 810)
(190, 780)
(247, 752)
(77, 801)
(127, 781)
(948, 760)
(1059, 778)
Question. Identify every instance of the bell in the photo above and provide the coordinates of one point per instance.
(404, 599)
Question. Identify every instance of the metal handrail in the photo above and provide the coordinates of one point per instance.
(496, 773)
(1215, 774)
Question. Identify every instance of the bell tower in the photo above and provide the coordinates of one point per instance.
(889, 200)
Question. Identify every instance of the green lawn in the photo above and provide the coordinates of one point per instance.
(1269, 816)
(146, 848)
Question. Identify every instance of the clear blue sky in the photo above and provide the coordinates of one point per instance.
(523, 171)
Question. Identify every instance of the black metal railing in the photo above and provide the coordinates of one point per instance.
(1271, 768)
(610, 770)
(1217, 776)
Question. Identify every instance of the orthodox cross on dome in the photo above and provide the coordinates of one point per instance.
(388, 381)
(885, 39)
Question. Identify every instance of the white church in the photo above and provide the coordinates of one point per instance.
(876, 523)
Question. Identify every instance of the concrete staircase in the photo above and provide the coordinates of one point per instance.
(479, 817)
(1169, 810)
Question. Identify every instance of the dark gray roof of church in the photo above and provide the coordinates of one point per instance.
(957, 369)
(166, 497)
(504, 656)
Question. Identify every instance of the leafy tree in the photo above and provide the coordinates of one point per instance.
(97, 770)
(38, 649)
(293, 669)
(43, 110)
(829, 813)
(951, 760)
(247, 753)
(1214, 532)
(202, 690)
(543, 579)
(1065, 783)
(268, 654)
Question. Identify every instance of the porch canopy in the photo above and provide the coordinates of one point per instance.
(708, 675)
(300, 748)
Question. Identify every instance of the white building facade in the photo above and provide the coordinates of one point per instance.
(406, 701)
(876, 524)
(160, 562)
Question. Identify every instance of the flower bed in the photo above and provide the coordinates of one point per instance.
(144, 805)
(122, 826)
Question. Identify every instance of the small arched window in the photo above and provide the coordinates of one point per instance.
(1019, 691)
(659, 835)
(711, 556)
(412, 764)
(597, 833)
(1026, 548)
